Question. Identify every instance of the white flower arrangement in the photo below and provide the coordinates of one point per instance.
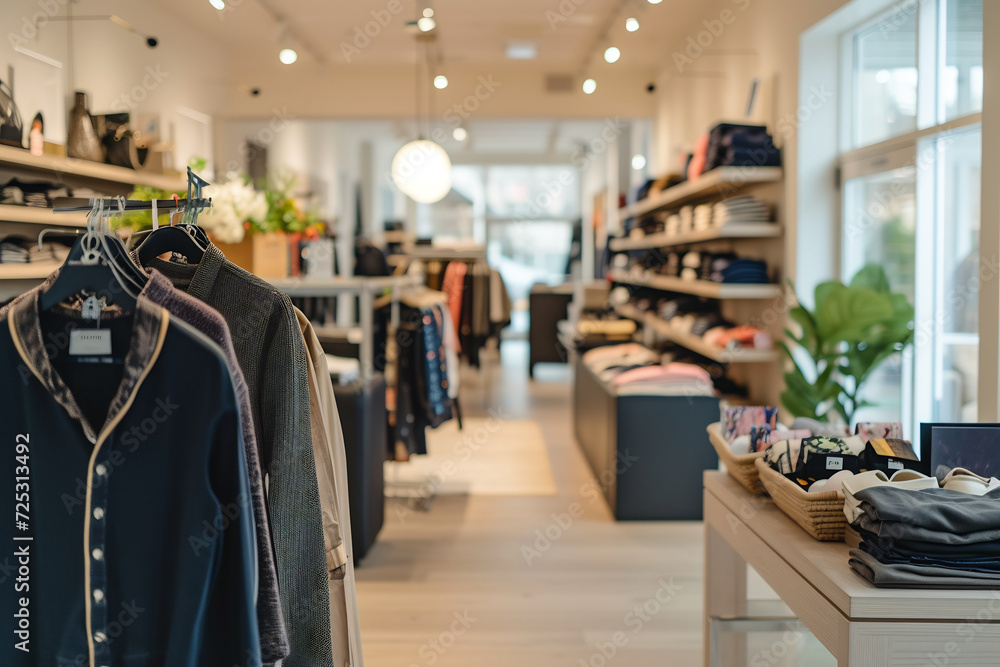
(233, 203)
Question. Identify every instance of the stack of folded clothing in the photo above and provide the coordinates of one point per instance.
(611, 360)
(739, 209)
(740, 145)
(743, 271)
(13, 250)
(673, 225)
(929, 537)
(703, 217)
(47, 252)
(691, 265)
(735, 337)
(686, 215)
(673, 379)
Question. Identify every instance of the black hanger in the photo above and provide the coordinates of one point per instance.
(170, 239)
(76, 277)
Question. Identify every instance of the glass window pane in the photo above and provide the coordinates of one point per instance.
(956, 344)
(960, 86)
(880, 228)
(532, 192)
(885, 76)
(528, 252)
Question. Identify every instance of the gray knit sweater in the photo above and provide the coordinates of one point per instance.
(271, 353)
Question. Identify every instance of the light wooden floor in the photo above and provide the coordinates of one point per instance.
(453, 586)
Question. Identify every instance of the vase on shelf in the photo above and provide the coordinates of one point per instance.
(82, 141)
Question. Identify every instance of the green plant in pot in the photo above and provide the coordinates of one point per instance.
(851, 330)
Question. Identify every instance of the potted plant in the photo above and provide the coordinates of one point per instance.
(851, 330)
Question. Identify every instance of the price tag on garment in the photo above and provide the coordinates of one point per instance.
(92, 307)
(895, 465)
(90, 342)
(834, 463)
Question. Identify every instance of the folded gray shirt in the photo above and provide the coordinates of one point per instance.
(918, 576)
(934, 510)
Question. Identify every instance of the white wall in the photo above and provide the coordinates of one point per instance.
(119, 72)
(759, 39)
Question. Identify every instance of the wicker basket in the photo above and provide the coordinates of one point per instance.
(740, 466)
(820, 514)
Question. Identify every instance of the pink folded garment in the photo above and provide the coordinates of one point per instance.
(673, 372)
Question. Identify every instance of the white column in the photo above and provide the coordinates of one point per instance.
(989, 247)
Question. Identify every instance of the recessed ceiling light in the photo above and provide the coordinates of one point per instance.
(440, 82)
(522, 49)
(638, 161)
(631, 24)
(612, 54)
(589, 86)
(288, 56)
(460, 134)
(428, 12)
(655, 2)
(218, 4)
(426, 24)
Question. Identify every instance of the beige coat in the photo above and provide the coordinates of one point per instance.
(331, 472)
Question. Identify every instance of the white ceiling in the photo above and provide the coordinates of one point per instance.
(568, 32)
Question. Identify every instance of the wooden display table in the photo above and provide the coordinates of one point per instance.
(862, 626)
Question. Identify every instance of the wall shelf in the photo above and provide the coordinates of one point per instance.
(703, 288)
(741, 230)
(28, 270)
(696, 343)
(61, 169)
(716, 183)
(41, 216)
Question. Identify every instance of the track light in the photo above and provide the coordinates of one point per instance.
(612, 54)
(218, 4)
(460, 134)
(655, 2)
(426, 24)
(428, 12)
(288, 56)
(631, 24)
(589, 86)
(440, 82)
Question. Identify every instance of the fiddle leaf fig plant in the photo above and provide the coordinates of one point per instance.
(851, 330)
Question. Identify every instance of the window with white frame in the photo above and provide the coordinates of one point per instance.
(912, 93)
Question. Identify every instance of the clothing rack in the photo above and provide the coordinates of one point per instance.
(70, 204)
(365, 289)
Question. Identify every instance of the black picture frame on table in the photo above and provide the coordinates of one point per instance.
(969, 454)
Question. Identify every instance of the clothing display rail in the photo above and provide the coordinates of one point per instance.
(366, 290)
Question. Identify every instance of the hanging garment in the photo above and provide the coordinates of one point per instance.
(268, 344)
(331, 470)
(135, 493)
(453, 286)
(499, 302)
(271, 624)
